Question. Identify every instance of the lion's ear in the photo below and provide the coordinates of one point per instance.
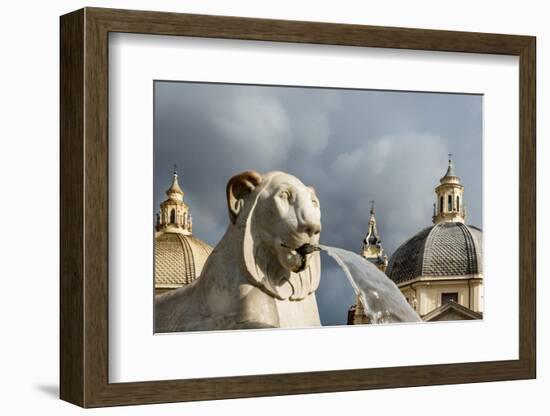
(238, 188)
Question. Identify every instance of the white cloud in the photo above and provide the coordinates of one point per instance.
(257, 125)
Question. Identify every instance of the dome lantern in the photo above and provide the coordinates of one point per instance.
(449, 206)
(174, 214)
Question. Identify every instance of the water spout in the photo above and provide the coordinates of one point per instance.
(382, 300)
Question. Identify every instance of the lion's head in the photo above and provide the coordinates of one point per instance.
(277, 213)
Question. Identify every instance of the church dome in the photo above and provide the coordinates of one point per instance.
(179, 259)
(444, 249)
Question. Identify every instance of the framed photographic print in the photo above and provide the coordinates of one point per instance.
(255, 207)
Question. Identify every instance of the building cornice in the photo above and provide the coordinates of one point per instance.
(427, 280)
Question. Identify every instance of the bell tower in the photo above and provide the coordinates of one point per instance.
(449, 205)
(373, 251)
(174, 216)
(372, 244)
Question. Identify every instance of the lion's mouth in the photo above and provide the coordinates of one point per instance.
(303, 251)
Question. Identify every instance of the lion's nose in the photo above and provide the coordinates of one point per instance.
(311, 229)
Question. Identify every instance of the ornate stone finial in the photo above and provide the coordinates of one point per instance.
(450, 169)
(372, 207)
(175, 192)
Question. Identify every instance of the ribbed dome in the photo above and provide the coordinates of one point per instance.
(179, 259)
(444, 249)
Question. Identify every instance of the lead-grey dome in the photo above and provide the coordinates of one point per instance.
(444, 249)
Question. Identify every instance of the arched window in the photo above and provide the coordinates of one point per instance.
(173, 216)
(441, 204)
(458, 203)
(449, 203)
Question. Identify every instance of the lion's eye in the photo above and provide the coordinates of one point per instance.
(285, 195)
(315, 202)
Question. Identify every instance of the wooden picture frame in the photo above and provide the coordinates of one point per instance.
(84, 207)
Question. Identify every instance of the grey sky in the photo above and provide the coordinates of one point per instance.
(351, 145)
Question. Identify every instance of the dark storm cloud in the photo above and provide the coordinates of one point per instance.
(352, 146)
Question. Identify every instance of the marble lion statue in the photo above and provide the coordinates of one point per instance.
(254, 278)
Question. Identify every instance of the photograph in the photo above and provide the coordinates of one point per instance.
(281, 206)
